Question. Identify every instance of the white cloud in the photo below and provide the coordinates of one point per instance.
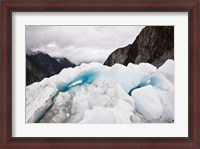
(80, 43)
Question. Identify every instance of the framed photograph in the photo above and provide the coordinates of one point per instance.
(100, 74)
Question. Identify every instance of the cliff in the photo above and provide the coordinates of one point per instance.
(154, 44)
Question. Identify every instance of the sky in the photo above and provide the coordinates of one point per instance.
(79, 44)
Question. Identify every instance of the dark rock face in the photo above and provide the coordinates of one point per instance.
(154, 44)
(41, 65)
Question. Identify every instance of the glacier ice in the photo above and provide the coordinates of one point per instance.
(38, 103)
(84, 78)
(148, 103)
(95, 93)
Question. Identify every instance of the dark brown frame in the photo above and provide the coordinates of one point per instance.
(9, 6)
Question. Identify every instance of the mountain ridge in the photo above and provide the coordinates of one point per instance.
(40, 65)
(154, 45)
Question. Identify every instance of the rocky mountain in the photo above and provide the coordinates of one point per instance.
(41, 65)
(154, 44)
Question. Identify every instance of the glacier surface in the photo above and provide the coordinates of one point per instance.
(95, 93)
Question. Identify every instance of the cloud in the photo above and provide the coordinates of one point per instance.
(80, 43)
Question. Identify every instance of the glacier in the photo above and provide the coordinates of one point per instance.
(95, 93)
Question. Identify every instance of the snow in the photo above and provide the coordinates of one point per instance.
(94, 93)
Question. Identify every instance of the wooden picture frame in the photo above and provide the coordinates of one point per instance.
(9, 6)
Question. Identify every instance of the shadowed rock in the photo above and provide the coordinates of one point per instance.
(154, 44)
(40, 65)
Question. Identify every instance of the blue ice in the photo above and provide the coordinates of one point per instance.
(82, 79)
(150, 80)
